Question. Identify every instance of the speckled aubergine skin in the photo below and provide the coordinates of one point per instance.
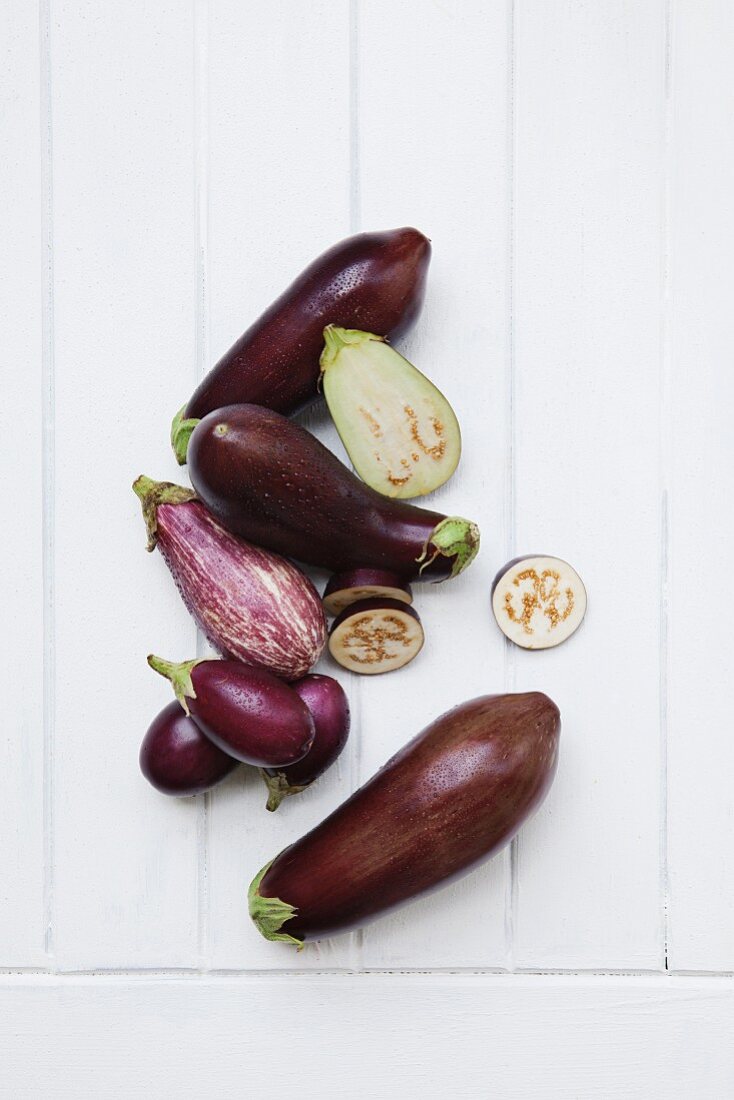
(250, 714)
(251, 604)
(374, 281)
(269, 480)
(449, 800)
(176, 757)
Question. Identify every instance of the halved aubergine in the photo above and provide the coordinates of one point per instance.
(400, 432)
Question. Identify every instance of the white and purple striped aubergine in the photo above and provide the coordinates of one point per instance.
(252, 605)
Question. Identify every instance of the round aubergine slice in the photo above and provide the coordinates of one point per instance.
(538, 601)
(399, 430)
(344, 589)
(374, 636)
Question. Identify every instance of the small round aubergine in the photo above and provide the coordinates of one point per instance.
(451, 798)
(344, 589)
(326, 699)
(375, 636)
(269, 480)
(251, 604)
(374, 280)
(247, 712)
(176, 758)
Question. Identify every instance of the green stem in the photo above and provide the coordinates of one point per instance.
(270, 914)
(179, 675)
(151, 494)
(335, 339)
(455, 538)
(181, 430)
(279, 788)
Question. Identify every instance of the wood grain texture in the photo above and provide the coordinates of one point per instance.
(125, 874)
(589, 83)
(364, 1036)
(433, 136)
(700, 452)
(21, 475)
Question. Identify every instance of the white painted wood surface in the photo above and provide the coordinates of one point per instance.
(165, 171)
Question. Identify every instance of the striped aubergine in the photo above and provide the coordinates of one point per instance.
(252, 605)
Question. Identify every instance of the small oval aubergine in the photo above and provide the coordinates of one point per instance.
(326, 699)
(374, 280)
(450, 799)
(269, 480)
(251, 604)
(176, 758)
(247, 712)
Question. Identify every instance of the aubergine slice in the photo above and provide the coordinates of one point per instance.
(538, 601)
(399, 430)
(344, 589)
(374, 636)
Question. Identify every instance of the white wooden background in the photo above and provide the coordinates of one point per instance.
(166, 169)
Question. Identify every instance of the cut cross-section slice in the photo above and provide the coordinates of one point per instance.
(374, 636)
(538, 601)
(399, 430)
(363, 584)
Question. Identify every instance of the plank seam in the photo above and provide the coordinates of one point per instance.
(48, 383)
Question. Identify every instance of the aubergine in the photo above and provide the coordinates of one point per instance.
(177, 758)
(270, 481)
(538, 601)
(344, 589)
(246, 712)
(326, 699)
(400, 432)
(451, 798)
(251, 604)
(374, 280)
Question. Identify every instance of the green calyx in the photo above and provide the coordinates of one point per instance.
(270, 914)
(151, 494)
(279, 788)
(335, 339)
(181, 429)
(455, 538)
(179, 675)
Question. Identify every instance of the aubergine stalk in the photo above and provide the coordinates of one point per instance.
(375, 280)
(270, 481)
(451, 798)
(400, 432)
(251, 604)
(326, 699)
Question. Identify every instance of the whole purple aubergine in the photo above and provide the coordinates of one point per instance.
(267, 479)
(326, 699)
(250, 603)
(177, 758)
(373, 281)
(450, 799)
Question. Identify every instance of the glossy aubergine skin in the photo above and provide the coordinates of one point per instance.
(247, 712)
(176, 758)
(374, 281)
(449, 800)
(269, 480)
(326, 699)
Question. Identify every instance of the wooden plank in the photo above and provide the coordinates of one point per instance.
(363, 1036)
(589, 84)
(21, 474)
(125, 875)
(278, 194)
(433, 129)
(701, 458)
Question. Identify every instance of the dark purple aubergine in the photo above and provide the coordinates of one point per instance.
(247, 712)
(326, 699)
(374, 281)
(269, 480)
(451, 798)
(176, 757)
